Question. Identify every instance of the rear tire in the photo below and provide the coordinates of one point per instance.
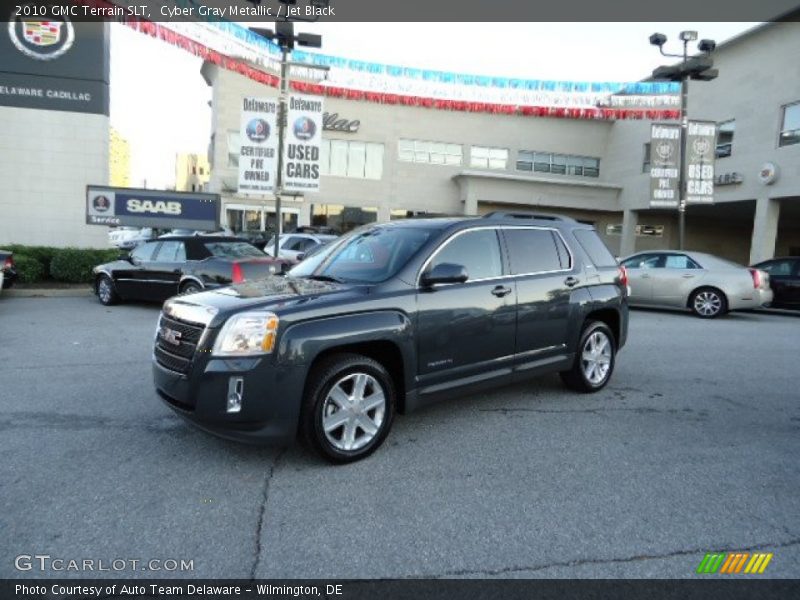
(105, 291)
(594, 359)
(348, 407)
(190, 288)
(708, 303)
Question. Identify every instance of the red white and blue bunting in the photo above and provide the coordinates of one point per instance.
(238, 49)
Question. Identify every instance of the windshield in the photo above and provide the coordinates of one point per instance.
(233, 249)
(364, 256)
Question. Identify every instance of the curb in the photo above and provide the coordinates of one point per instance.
(47, 293)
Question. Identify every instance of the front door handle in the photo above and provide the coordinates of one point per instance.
(687, 276)
(571, 281)
(501, 291)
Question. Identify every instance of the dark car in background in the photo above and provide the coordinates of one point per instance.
(8, 270)
(784, 279)
(165, 267)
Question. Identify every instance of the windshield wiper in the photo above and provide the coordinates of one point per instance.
(326, 278)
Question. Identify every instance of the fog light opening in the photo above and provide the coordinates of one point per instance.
(235, 393)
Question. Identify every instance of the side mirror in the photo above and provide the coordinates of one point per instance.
(445, 273)
(300, 257)
(126, 256)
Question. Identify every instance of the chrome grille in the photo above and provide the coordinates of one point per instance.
(176, 343)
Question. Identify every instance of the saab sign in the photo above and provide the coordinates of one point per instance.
(151, 208)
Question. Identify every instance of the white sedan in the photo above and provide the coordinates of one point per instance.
(294, 246)
(707, 285)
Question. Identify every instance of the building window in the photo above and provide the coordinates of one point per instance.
(790, 126)
(356, 160)
(558, 164)
(233, 148)
(433, 153)
(201, 171)
(646, 159)
(725, 138)
(488, 158)
(342, 218)
(194, 170)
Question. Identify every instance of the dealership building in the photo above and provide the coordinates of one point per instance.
(382, 162)
(386, 161)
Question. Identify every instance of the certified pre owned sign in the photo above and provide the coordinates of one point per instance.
(41, 39)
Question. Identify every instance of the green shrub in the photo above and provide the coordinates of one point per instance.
(29, 269)
(44, 254)
(74, 265)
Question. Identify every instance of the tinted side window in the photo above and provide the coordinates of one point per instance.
(168, 252)
(532, 251)
(595, 248)
(478, 251)
(645, 261)
(294, 243)
(778, 267)
(144, 252)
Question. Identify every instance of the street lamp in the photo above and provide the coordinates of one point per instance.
(284, 36)
(699, 68)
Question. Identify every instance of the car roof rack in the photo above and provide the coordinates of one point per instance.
(501, 214)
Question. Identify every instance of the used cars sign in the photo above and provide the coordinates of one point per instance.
(151, 208)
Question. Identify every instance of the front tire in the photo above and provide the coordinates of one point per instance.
(594, 360)
(708, 303)
(105, 291)
(348, 407)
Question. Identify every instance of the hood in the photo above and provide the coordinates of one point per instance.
(274, 293)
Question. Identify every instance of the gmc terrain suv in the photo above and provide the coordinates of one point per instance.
(388, 319)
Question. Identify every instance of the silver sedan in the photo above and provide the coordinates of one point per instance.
(707, 285)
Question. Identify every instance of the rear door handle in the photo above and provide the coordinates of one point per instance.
(687, 276)
(571, 281)
(501, 291)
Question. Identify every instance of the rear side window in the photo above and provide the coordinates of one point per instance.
(598, 253)
(533, 251)
(680, 261)
(233, 249)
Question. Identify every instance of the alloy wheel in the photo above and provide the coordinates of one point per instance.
(104, 290)
(707, 303)
(353, 411)
(596, 357)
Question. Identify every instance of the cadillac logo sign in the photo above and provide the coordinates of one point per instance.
(41, 40)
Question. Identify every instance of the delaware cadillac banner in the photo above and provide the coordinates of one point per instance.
(151, 208)
(302, 144)
(258, 152)
(701, 141)
(665, 164)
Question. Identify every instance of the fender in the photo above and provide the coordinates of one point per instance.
(303, 342)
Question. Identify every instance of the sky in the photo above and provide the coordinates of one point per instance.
(160, 102)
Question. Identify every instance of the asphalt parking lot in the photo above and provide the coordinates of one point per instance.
(692, 448)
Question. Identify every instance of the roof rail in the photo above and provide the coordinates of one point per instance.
(500, 214)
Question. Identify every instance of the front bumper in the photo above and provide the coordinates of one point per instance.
(271, 398)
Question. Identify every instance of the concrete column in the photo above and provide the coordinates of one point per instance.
(470, 202)
(765, 229)
(627, 244)
(304, 216)
(384, 214)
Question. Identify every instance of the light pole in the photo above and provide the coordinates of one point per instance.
(698, 67)
(285, 37)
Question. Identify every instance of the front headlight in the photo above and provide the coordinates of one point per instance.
(247, 334)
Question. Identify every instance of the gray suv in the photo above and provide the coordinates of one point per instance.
(388, 319)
